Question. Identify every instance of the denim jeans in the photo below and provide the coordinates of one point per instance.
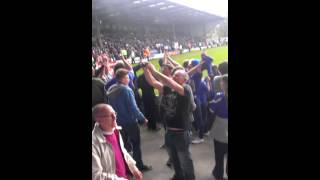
(178, 147)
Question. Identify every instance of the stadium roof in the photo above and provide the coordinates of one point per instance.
(149, 11)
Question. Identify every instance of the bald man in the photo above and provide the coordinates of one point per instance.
(176, 100)
(110, 160)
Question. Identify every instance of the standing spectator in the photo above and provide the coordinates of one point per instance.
(189, 46)
(166, 69)
(132, 55)
(222, 69)
(177, 98)
(192, 102)
(146, 53)
(127, 66)
(201, 93)
(121, 98)
(128, 53)
(219, 106)
(141, 54)
(149, 103)
(210, 83)
(98, 94)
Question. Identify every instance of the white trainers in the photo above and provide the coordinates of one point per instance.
(207, 133)
(197, 141)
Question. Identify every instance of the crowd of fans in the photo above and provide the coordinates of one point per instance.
(130, 46)
(187, 103)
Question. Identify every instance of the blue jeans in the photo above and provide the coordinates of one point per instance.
(178, 147)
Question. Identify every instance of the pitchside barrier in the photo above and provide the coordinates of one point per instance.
(155, 55)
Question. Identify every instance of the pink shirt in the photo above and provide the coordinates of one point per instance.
(120, 166)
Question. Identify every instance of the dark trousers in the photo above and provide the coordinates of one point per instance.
(131, 137)
(138, 100)
(210, 119)
(204, 115)
(133, 62)
(178, 147)
(220, 149)
(150, 110)
(162, 117)
(200, 115)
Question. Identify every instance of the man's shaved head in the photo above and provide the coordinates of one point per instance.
(180, 76)
(104, 115)
(100, 110)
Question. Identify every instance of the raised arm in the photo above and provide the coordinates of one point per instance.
(105, 62)
(166, 80)
(192, 70)
(126, 64)
(137, 68)
(165, 59)
(152, 81)
(173, 62)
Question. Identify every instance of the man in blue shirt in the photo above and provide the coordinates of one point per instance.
(201, 94)
(114, 80)
(122, 100)
(132, 78)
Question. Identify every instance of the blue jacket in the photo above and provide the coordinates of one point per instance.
(201, 90)
(121, 98)
(208, 64)
(219, 105)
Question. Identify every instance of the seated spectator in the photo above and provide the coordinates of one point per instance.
(110, 160)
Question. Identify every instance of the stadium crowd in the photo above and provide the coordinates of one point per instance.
(187, 103)
(127, 45)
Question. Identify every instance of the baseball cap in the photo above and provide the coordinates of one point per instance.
(195, 62)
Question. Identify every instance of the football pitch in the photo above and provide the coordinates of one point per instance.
(219, 54)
